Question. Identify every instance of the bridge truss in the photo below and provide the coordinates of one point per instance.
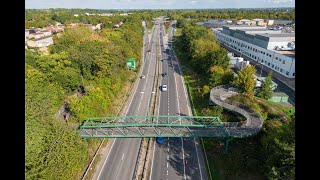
(157, 126)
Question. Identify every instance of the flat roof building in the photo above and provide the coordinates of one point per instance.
(267, 47)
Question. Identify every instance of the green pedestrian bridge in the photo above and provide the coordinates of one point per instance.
(177, 126)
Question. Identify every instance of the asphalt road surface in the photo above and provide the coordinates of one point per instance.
(176, 158)
(122, 158)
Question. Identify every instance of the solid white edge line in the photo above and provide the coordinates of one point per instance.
(194, 140)
(184, 165)
(154, 145)
(106, 159)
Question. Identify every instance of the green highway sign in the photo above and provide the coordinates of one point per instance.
(131, 63)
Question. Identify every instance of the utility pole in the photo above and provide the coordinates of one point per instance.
(261, 69)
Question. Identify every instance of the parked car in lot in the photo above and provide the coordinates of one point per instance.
(164, 88)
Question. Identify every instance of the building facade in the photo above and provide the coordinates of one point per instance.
(259, 44)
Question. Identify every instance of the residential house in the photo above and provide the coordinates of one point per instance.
(269, 22)
(106, 14)
(36, 35)
(40, 42)
(242, 21)
(46, 32)
(98, 26)
(123, 14)
(259, 22)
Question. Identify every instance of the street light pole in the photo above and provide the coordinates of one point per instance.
(261, 69)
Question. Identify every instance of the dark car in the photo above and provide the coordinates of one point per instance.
(164, 74)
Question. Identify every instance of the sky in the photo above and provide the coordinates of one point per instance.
(157, 4)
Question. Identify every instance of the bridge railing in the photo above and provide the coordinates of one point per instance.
(248, 127)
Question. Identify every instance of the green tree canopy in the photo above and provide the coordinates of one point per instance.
(266, 88)
(245, 80)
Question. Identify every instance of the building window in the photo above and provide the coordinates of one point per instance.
(255, 57)
(262, 61)
(272, 65)
(293, 74)
(280, 70)
(287, 73)
(276, 58)
(283, 62)
(268, 64)
(269, 55)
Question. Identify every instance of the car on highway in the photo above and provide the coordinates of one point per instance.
(142, 77)
(164, 74)
(164, 88)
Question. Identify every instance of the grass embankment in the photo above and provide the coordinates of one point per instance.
(166, 26)
(113, 109)
(241, 162)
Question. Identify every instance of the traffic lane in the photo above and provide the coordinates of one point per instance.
(176, 159)
(128, 159)
(159, 168)
(129, 147)
(194, 170)
(115, 151)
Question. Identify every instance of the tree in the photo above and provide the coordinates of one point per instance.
(245, 80)
(278, 149)
(266, 88)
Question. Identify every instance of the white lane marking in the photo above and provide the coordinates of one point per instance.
(167, 165)
(167, 172)
(168, 149)
(142, 92)
(106, 159)
(197, 156)
(168, 157)
(122, 156)
(154, 145)
(184, 165)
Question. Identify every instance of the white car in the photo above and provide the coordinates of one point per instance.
(164, 87)
(142, 76)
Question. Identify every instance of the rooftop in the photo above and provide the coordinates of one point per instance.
(257, 19)
(279, 35)
(286, 53)
(42, 38)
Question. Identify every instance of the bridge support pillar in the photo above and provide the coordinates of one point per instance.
(226, 145)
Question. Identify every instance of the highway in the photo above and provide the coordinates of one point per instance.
(122, 157)
(176, 158)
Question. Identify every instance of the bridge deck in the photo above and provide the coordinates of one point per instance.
(177, 126)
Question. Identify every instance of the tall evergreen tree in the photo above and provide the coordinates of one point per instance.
(266, 88)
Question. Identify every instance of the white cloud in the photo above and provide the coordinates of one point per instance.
(194, 1)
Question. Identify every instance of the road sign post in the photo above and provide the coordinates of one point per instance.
(131, 63)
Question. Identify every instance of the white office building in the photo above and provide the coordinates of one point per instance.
(273, 49)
